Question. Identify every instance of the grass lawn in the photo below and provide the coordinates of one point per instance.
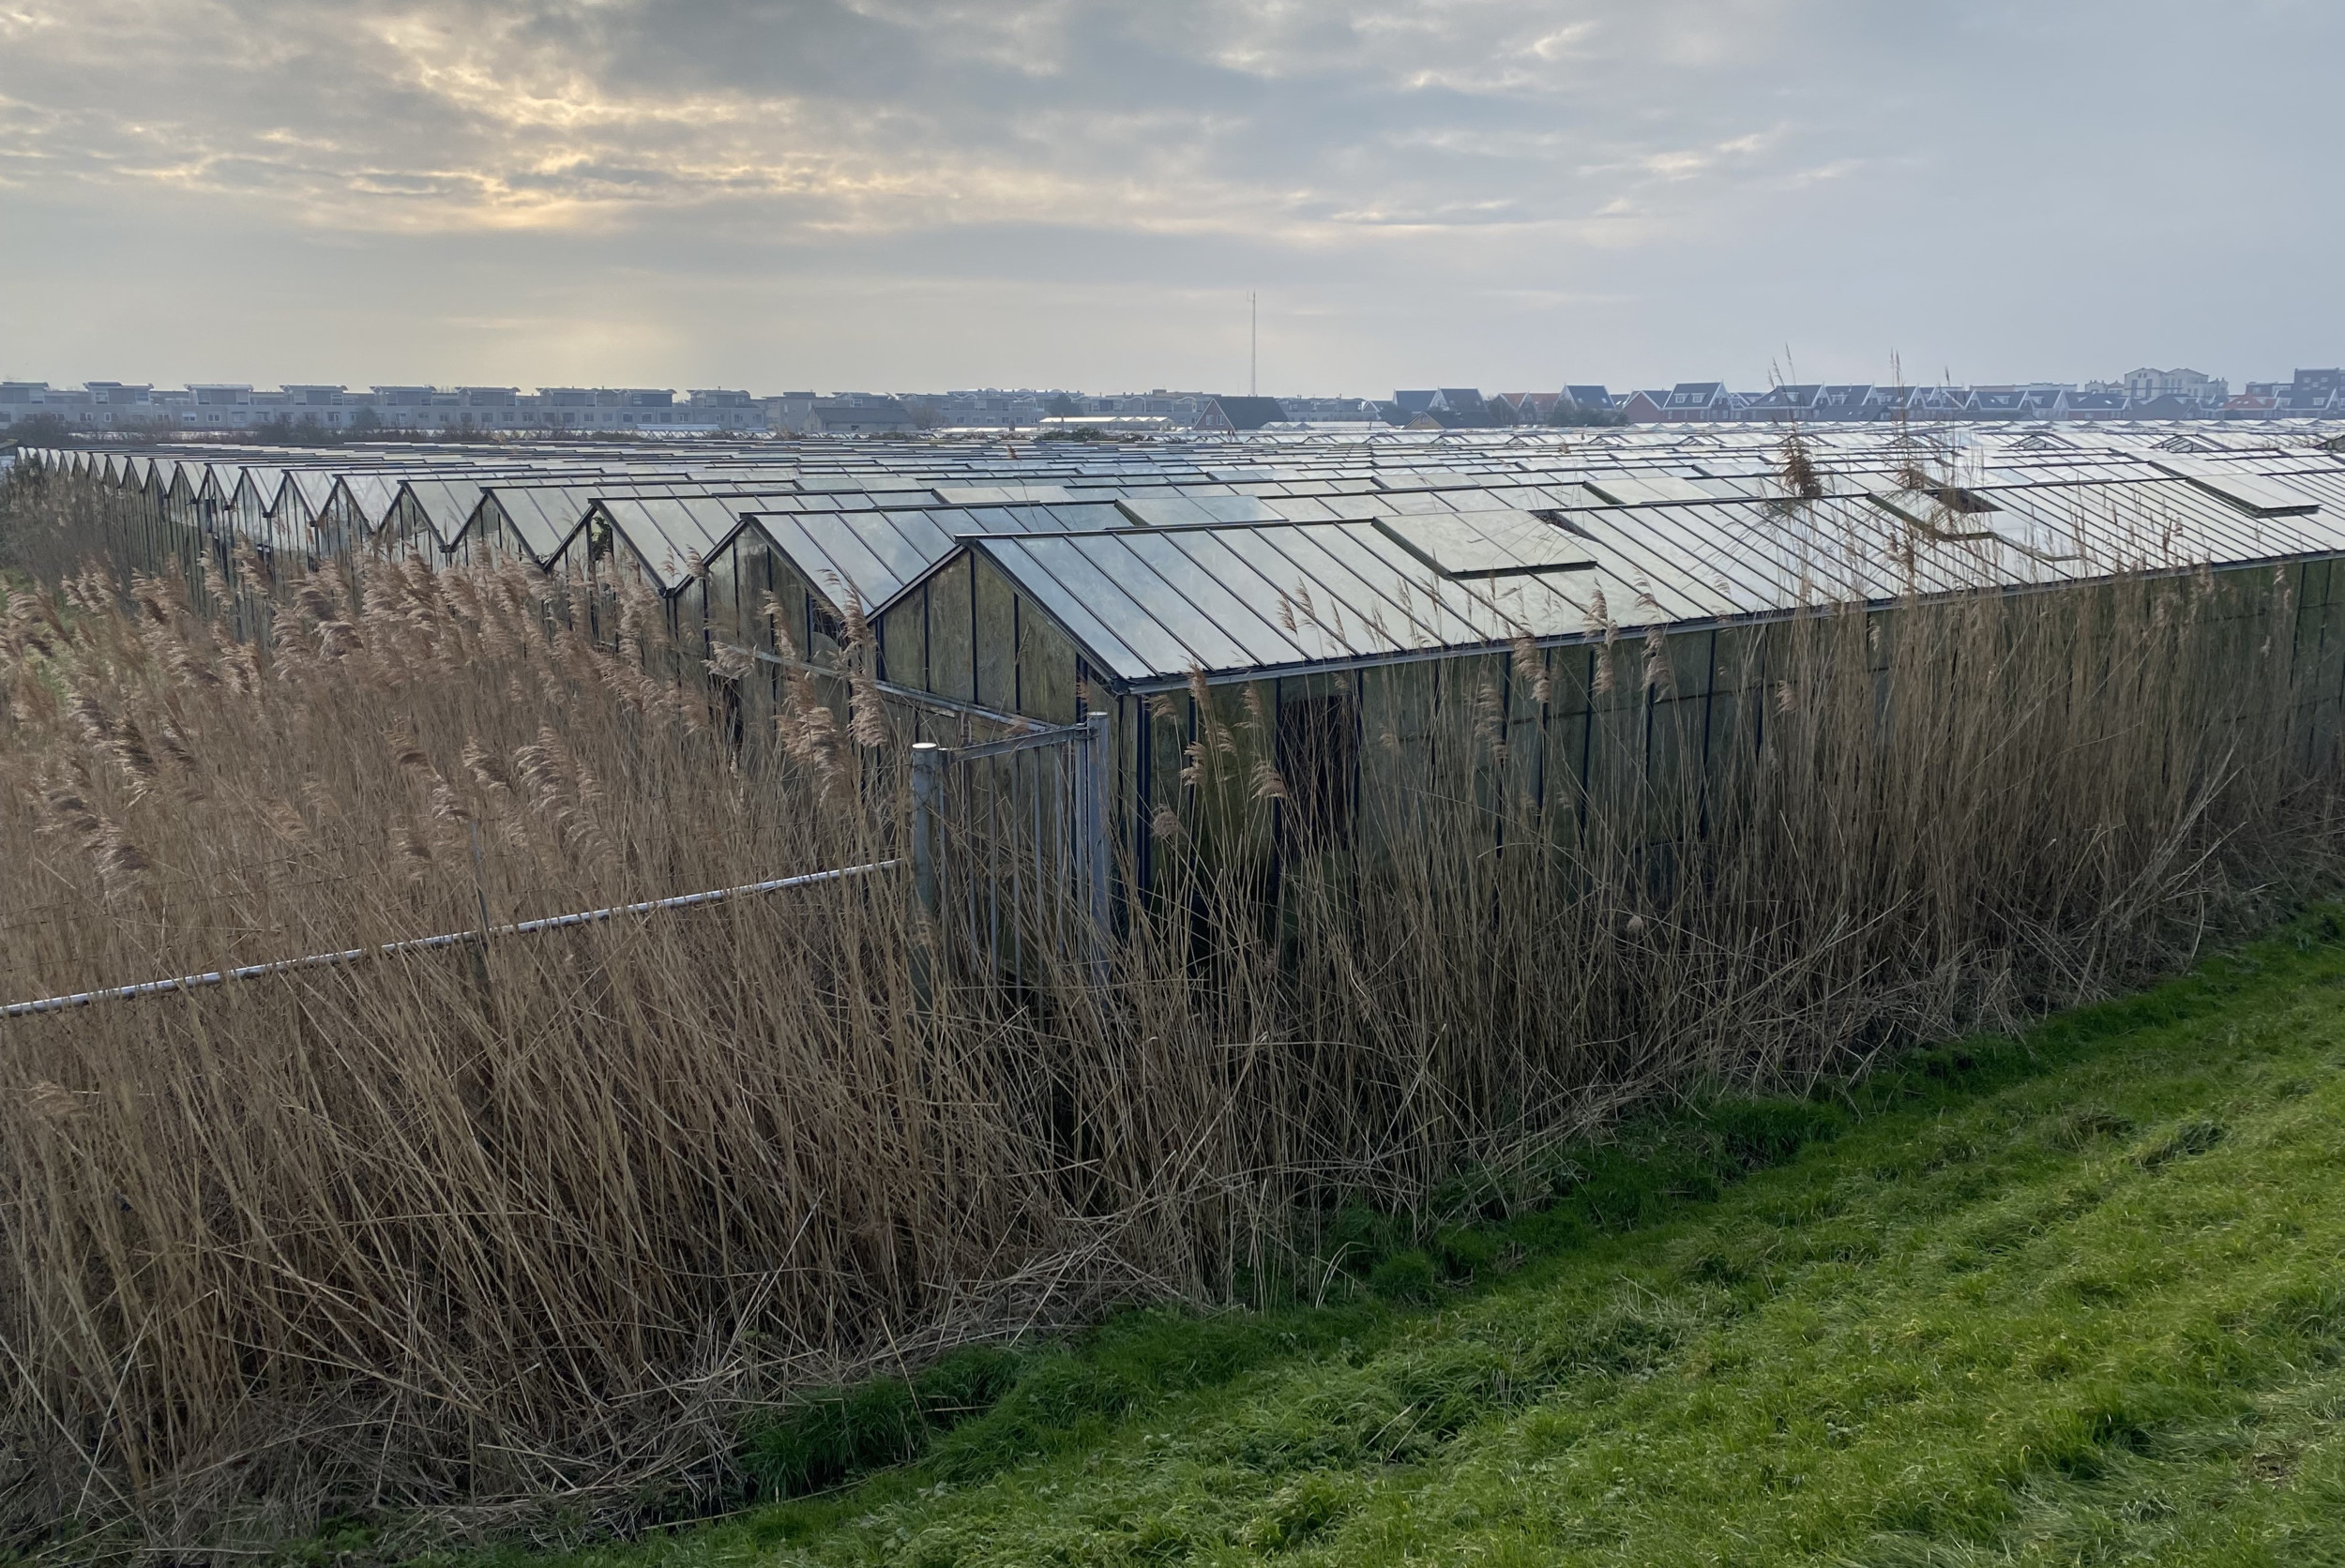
(2076, 1298)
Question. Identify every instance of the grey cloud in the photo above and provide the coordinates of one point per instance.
(874, 113)
(1680, 184)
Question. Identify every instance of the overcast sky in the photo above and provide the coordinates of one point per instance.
(895, 194)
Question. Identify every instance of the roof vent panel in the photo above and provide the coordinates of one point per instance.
(1487, 544)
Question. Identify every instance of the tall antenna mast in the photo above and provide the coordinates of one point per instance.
(1254, 345)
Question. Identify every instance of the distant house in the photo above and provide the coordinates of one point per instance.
(2146, 385)
(1459, 407)
(1696, 400)
(1893, 402)
(1645, 408)
(1844, 401)
(789, 411)
(2312, 393)
(860, 414)
(2098, 405)
(1330, 411)
(721, 409)
(1104, 423)
(1779, 403)
(1590, 395)
(1450, 408)
(1889, 403)
(1241, 414)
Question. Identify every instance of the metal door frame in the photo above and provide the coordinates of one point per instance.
(1082, 846)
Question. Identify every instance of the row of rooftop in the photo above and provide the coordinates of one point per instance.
(123, 407)
(2145, 393)
(1158, 559)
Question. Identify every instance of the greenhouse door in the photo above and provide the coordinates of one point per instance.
(1010, 854)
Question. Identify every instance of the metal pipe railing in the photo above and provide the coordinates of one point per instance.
(432, 943)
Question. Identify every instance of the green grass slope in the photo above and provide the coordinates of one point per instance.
(2076, 1298)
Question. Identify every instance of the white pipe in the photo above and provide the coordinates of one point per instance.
(419, 944)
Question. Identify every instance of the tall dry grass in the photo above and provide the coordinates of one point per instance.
(1860, 830)
(426, 1232)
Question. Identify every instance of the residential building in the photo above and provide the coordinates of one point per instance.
(1785, 402)
(788, 411)
(122, 408)
(1241, 414)
(1329, 410)
(1530, 407)
(1644, 407)
(861, 414)
(1462, 404)
(2313, 394)
(2191, 387)
(719, 409)
(1696, 399)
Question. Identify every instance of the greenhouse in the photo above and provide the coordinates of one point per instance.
(1319, 594)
